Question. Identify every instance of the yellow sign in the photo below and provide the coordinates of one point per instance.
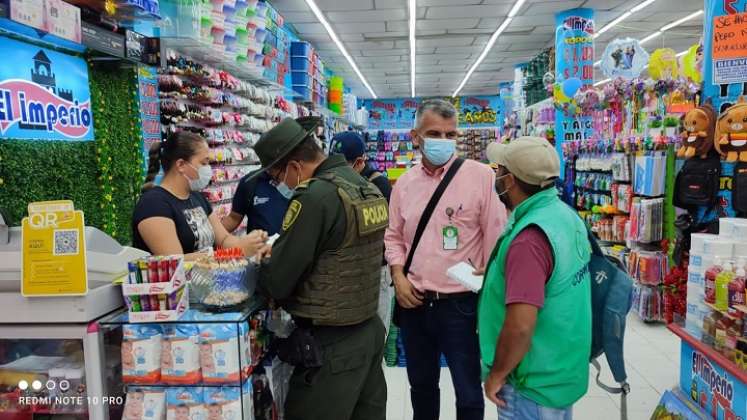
(53, 250)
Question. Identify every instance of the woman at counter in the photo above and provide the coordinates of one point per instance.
(173, 217)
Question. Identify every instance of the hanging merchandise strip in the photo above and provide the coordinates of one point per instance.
(387, 150)
(230, 113)
(472, 143)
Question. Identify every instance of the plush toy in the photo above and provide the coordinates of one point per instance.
(699, 126)
(731, 132)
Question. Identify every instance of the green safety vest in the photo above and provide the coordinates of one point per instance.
(555, 370)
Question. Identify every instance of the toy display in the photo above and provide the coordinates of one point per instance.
(731, 132)
(699, 131)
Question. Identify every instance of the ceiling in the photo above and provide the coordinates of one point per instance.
(451, 34)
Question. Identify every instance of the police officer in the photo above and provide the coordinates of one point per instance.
(324, 270)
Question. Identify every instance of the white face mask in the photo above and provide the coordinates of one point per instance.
(204, 175)
(284, 189)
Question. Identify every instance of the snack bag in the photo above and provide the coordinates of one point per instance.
(219, 353)
(224, 403)
(180, 355)
(185, 404)
(145, 404)
(141, 354)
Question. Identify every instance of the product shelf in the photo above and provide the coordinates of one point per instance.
(724, 313)
(711, 353)
(208, 54)
(195, 315)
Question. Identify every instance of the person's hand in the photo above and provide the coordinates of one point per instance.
(264, 252)
(479, 271)
(493, 385)
(408, 296)
(253, 242)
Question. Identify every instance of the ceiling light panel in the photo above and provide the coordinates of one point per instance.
(412, 10)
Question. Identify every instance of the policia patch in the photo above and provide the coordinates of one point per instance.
(372, 215)
(294, 209)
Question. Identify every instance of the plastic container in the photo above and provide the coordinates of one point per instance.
(710, 280)
(300, 78)
(258, 59)
(300, 64)
(301, 49)
(722, 287)
(260, 35)
(736, 294)
(304, 91)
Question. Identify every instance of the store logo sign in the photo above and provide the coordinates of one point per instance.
(32, 107)
(44, 95)
(719, 384)
(577, 23)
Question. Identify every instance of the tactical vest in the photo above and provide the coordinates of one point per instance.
(343, 287)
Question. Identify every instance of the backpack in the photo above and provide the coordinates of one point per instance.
(739, 189)
(611, 300)
(697, 183)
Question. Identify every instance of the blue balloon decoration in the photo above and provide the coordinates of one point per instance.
(571, 86)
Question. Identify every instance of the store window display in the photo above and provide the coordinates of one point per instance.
(173, 217)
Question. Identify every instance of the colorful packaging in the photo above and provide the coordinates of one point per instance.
(180, 354)
(245, 351)
(224, 403)
(145, 404)
(219, 353)
(141, 354)
(185, 404)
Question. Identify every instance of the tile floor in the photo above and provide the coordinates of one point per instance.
(652, 356)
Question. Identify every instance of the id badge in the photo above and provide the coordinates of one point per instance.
(450, 236)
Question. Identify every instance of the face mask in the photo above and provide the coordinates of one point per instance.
(284, 189)
(204, 175)
(503, 195)
(438, 151)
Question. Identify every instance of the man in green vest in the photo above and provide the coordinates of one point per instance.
(324, 270)
(534, 314)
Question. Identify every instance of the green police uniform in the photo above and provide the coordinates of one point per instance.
(325, 271)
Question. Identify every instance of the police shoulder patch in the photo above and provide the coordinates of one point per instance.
(294, 209)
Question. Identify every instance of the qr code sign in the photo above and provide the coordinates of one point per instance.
(66, 242)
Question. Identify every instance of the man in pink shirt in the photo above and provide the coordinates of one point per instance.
(436, 314)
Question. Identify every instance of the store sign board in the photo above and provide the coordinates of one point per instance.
(100, 39)
(729, 48)
(44, 95)
(150, 112)
(399, 113)
(574, 58)
(715, 390)
(53, 250)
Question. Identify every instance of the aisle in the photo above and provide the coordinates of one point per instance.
(652, 354)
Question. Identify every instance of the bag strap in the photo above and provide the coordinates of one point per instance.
(623, 390)
(428, 212)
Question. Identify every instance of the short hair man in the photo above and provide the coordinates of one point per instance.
(435, 314)
(351, 144)
(534, 314)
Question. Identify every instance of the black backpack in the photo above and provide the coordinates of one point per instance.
(697, 183)
(739, 189)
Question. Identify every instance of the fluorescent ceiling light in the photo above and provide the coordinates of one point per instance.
(681, 21)
(612, 24)
(413, 14)
(320, 17)
(680, 54)
(650, 37)
(640, 6)
(515, 10)
(601, 82)
(484, 53)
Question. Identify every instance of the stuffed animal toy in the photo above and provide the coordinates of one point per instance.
(731, 132)
(699, 127)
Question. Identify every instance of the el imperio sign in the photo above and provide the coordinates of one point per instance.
(44, 94)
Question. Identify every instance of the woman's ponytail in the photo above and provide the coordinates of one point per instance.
(154, 166)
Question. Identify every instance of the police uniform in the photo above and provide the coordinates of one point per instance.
(324, 271)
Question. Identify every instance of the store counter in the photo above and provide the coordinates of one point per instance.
(712, 381)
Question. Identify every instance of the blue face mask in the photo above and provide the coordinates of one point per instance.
(438, 151)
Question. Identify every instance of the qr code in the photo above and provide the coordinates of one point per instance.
(66, 242)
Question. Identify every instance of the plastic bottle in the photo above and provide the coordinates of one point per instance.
(710, 280)
(722, 287)
(736, 290)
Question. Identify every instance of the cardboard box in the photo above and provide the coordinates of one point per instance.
(28, 12)
(62, 20)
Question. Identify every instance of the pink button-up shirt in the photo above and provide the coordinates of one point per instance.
(477, 213)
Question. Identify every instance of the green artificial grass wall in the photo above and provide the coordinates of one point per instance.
(102, 177)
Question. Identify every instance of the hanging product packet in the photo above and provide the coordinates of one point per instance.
(219, 353)
(141, 354)
(145, 404)
(180, 354)
(185, 404)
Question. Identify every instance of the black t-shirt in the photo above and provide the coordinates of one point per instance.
(381, 181)
(190, 217)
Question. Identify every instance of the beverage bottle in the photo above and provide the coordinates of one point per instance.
(722, 287)
(736, 290)
(710, 280)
